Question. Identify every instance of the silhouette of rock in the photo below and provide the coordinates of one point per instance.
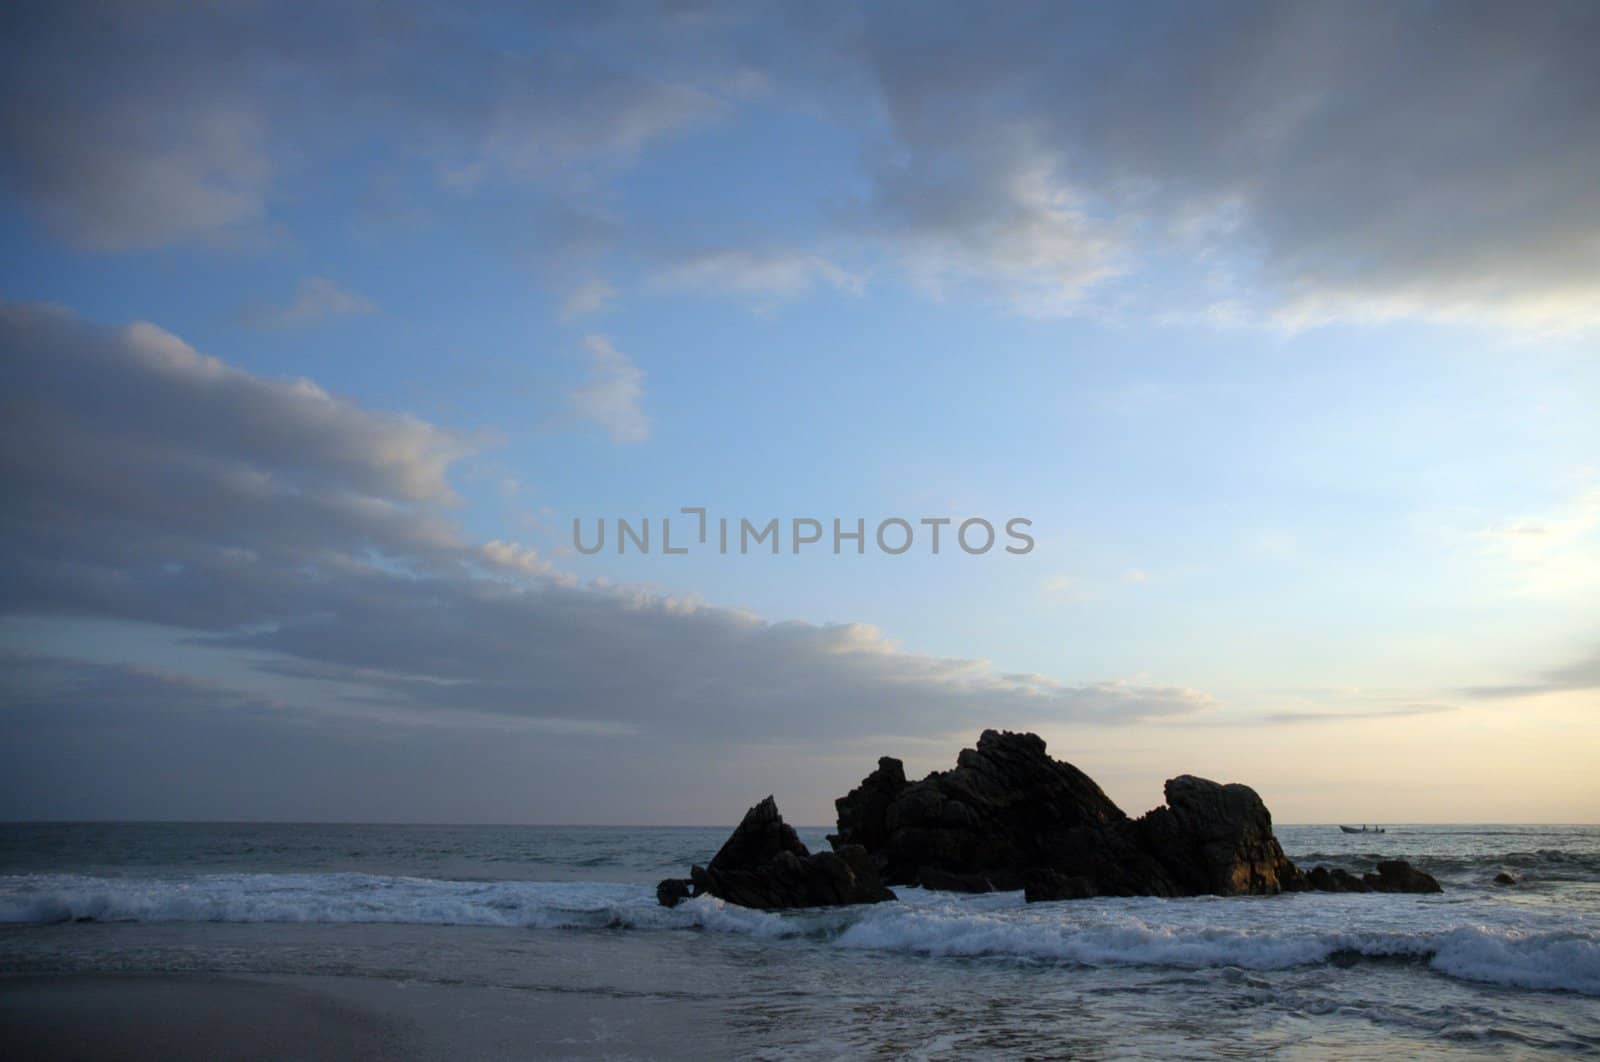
(1338, 880)
(673, 891)
(1007, 810)
(1008, 816)
(1396, 875)
(764, 865)
(1040, 885)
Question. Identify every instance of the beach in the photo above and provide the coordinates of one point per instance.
(189, 1016)
(283, 940)
(183, 1017)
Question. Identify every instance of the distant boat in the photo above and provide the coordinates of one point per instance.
(1362, 829)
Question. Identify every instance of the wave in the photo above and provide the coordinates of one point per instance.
(1565, 960)
(1192, 934)
(333, 898)
(1544, 864)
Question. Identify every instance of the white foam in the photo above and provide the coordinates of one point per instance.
(1505, 944)
(1567, 960)
(317, 898)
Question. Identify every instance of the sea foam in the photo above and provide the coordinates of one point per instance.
(1525, 948)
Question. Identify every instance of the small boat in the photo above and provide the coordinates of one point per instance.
(1362, 829)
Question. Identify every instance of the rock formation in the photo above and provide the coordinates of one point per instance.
(764, 865)
(1396, 875)
(1393, 875)
(1336, 880)
(1007, 816)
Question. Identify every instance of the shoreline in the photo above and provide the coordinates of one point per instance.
(449, 993)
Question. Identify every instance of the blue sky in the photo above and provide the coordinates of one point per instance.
(1277, 322)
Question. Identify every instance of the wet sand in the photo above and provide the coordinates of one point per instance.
(136, 1016)
(181, 1017)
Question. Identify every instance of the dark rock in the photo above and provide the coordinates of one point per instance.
(1217, 839)
(673, 891)
(945, 881)
(1007, 816)
(1338, 880)
(764, 865)
(760, 837)
(1040, 885)
(1008, 809)
(861, 814)
(1396, 875)
(1503, 878)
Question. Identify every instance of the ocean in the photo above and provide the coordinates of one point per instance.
(500, 941)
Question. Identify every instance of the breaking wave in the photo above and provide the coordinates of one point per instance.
(1523, 949)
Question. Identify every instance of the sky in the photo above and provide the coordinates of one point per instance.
(1275, 326)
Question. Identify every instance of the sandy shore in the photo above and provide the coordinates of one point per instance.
(179, 1017)
(137, 1016)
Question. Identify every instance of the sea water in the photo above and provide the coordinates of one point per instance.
(1480, 969)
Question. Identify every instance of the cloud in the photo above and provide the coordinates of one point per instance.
(1065, 588)
(1265, 164)
(316, 299)
(524, 560)
(1552, 554)
(997, 215)
(90, 739)
(776, 274)
(612, 394)
(1401, 712)
(590, 297)
(564, 112)
(180, 158)
(1583, 674)
(1419, 160)
(182, 138)
(141, 398)
(274, 523)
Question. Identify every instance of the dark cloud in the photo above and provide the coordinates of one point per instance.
(1581, 675)
(85, 741)
(1429, 158)
(146, 482)
(1288, 161)
(130, 126)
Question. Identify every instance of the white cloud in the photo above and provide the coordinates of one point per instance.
(776, 274)
(1007, 224)
(1404, 711)
(1066, 588)
(268, 518)
(590, 297)
(612, 393)
(523, 560)
(316, 299)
